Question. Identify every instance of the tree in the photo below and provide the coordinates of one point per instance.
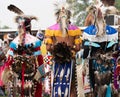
(78, 8)
(5, 27)
(117, 4)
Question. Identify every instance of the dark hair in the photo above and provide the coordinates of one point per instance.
(27, 25)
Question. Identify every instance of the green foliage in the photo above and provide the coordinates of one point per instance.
(79, 10)
(117, 4)
(5, 27)
(46, 95)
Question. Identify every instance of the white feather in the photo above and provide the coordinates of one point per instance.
(66, 92)
(60, 4)
(59, 91)
(68, 73)
(98, 3)
(61, 74)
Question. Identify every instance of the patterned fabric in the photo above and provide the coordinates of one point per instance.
(62, 80)
(41, 70)
(100, 67)
(90, 34)
(29, 39)
(31, 44)
(48, 59)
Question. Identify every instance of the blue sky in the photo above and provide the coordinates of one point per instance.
(43, 9)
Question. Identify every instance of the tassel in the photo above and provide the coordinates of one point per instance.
(59, 91)
(19, 83)
(66, 92)
(26, 84)
(30, 83)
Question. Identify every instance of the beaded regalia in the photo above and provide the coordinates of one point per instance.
(24, 65)
(62, 40)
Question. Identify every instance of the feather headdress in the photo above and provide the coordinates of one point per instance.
(95, 4)
(59, 6)
(21, 18)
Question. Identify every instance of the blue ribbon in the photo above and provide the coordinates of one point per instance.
(87, 43)
(108, 92)
(111, 43)
(91, 30)
(37, 53)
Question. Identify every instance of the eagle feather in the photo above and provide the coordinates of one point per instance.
(15, 9)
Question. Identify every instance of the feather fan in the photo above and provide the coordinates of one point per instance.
(15, 9)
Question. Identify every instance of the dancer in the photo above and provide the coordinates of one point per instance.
(24, 59)
(98, 38)
(63, 41)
